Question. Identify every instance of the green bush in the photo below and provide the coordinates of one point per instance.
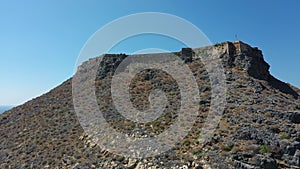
(198, 153)
(187, 143)
(284, 136)
(264, 149)
(228, 148)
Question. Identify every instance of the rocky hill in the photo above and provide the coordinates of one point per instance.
(259, 127)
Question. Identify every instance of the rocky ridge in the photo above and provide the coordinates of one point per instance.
(259, 127)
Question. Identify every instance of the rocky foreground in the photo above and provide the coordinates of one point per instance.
(259, 127)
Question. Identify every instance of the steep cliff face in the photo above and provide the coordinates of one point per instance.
(259, 127)
(245, 57)
(242, 56)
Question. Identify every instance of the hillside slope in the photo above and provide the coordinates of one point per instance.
(259, 127)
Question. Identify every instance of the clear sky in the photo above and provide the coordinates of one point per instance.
(40, 40)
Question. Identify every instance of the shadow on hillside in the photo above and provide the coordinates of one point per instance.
(283, 87)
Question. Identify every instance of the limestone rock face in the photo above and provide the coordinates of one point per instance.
(244, 57)
(259, 127)
(248, 58)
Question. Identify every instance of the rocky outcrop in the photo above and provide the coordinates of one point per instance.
(242, 56)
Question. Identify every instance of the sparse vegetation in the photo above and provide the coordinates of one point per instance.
(264, 149)
(284, 136)
(198, 153)
(187, 143)
(228, 148)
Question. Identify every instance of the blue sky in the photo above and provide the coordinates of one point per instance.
(41, 40)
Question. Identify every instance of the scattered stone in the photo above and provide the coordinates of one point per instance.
(295, 117)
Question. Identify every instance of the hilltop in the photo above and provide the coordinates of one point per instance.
(259, 127)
